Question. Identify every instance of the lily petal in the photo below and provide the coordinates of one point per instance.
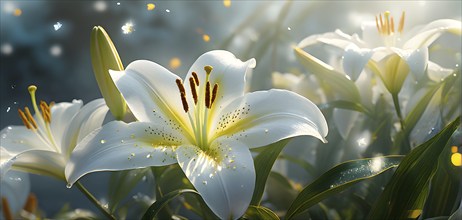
(18, 139)
(121, 146)
(260, 118)
(337, 39)
(417, 60)
(89, 118)
(37, 162)
(15, 188)
(228, 72)
(61, 115)
(437, 73)
(428, 34)
(226, 184)
(150, 92)
(354, 60)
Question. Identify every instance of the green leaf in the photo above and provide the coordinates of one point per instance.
(346, 105)
(412, 175)
(326, 74)
(263, 164)
(121, 183)
(259, 213)
(340, 178)
(159, 204)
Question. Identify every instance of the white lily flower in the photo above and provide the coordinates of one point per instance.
(45, 143)
(15, 187)
(381, 40)
(206, 125)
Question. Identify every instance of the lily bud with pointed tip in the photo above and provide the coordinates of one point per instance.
(104, 57)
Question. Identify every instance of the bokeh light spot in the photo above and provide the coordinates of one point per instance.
(175, 62)
(456, 159)
(17, 12)
(206, 38)
(227, 3)
(454, 149)
(128, 28)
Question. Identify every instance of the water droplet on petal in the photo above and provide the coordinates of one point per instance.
(132, 154)
(103, 141)
(204, 182)
(266, 130)
(148, 156)
(69, 185)
(211, 175)
(167, 10)
(8, 109)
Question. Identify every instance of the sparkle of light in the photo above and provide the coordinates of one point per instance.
(167, 10)
(150, 6)
(57, 26)
(175, 62)
(227, 3)
(128, 28)
(206, 38)
(376, 164)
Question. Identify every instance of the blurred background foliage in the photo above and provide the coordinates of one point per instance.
(47, 43)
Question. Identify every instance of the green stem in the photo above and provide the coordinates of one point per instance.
(94, 201)
(398, 109)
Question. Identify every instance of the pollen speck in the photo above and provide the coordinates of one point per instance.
(150, 6)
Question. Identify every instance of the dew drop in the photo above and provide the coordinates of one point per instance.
(288, 28)
(211, 175)
(132, 154)
(148, 156)
(8, 109)
(103, 141)
(266, 130)
(68, 185)
(144, 178)
(204, 182)
(167, 10)
(118, 3)
(454, 74)
(3, 135)
(13, 86)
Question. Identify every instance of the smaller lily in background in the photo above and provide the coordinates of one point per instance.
(386, 48)
(206, 124)
(14, 193)
(44, 144)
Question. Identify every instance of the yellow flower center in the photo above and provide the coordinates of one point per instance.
(202, 104)
(386, 27)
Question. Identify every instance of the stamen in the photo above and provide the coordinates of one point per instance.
(214, 93)
(207, 95)
(381, 25)
(392, 25)
(387, 22)
(196, 79)
(30, 118)
(182, 94)
(193, 89)
(45, 111)
(377, 24)
(208, 69)
(31, 203)
(24, 119)
(401, 22)
(6, 209)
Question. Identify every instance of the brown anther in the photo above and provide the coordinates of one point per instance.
(31, 203)
(24, 119)
(208, 69)
(46, 113)
(401, 22)
(196, 79)
(193, 89)
(6, 209)
(182, 94)
(180, 85)
(207, 95)
(214, 94)
(30, 118)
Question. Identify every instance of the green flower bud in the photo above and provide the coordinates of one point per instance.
(104, 57)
